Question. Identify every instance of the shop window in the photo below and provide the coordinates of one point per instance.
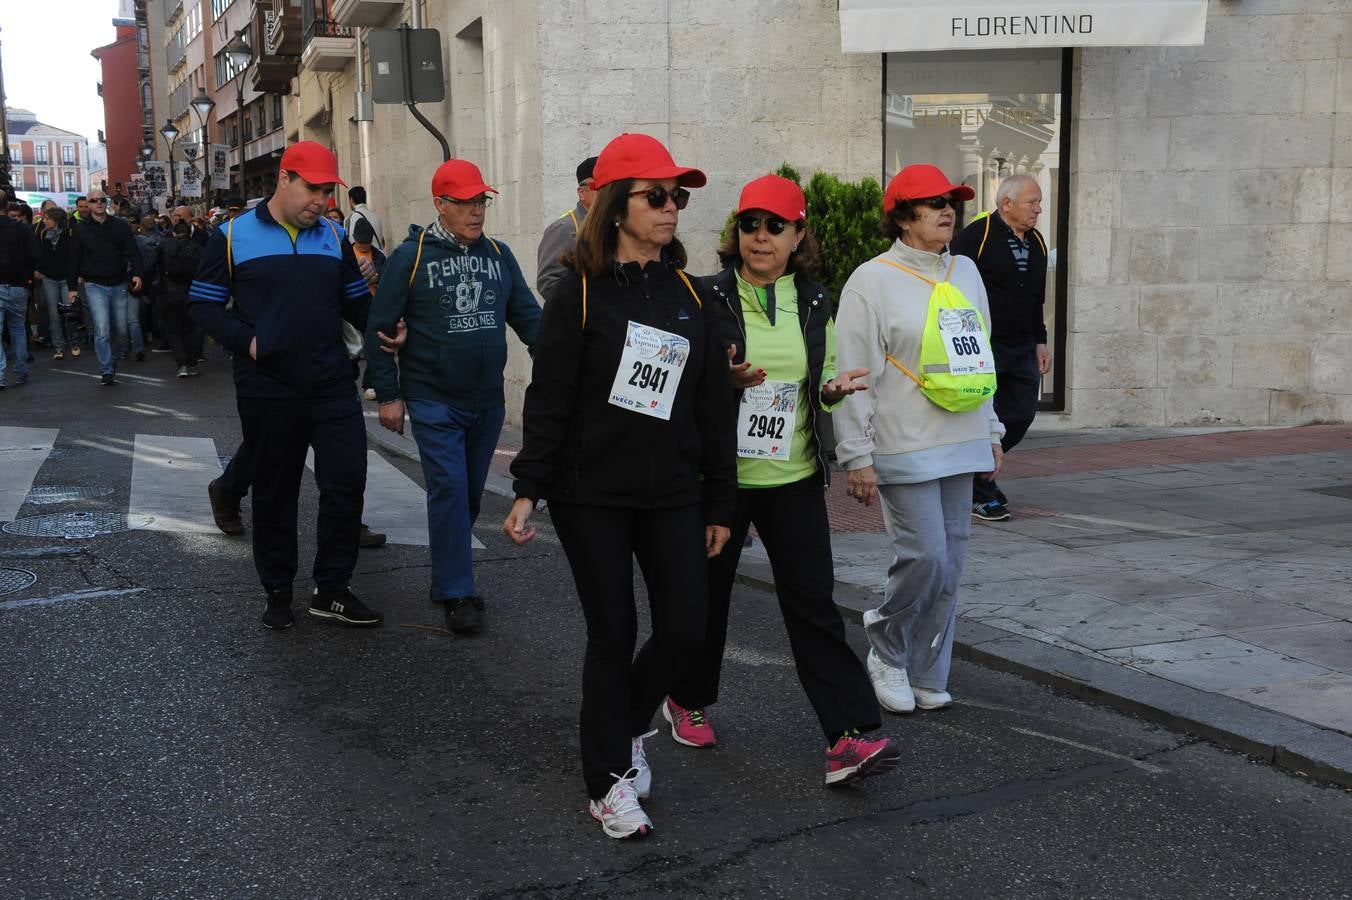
(982, 116)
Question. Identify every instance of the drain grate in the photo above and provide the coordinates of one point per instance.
(12, 580)
(76, 525)
(50, 494)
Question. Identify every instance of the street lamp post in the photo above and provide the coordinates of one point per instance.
(170, 134)
(241, 57)
(203, 105)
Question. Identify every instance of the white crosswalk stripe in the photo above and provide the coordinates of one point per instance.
(169, 477)
(22, 453)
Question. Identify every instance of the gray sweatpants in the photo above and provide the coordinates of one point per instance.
(930, 525)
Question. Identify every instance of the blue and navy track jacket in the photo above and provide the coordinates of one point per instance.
(291, 296)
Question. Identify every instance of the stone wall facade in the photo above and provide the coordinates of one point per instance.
(1210, 241)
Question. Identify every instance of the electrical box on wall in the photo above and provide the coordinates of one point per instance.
(363, 110)
(406, 65)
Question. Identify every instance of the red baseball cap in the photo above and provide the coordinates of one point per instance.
(641, 156)
(313, 162)
(774, 195)
(920, 181)
(459, 179)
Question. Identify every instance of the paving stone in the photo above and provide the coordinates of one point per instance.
(1233, 612)
(1098, 624)
(1325, 700)
(1129, 587)
(1326, 644)
(1215, 663)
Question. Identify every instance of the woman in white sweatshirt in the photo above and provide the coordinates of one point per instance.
(897, 444)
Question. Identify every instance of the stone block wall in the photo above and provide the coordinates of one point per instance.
(1210, 254)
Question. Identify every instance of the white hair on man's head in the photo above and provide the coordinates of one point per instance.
(1010, 187)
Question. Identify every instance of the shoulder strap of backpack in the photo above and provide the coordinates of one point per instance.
(952, 261)
(229, 251)
(690, 287)
(584, 302)
(1041, 243)
(413, 273)
(985, 234)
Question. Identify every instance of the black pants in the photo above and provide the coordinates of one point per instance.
(621, 691)
(176, 327)
(280, 431)
(1017, 388)
(237, 478)
(791, 521)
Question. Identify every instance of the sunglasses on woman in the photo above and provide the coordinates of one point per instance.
(938, 202)
(751, 224)
(657, 196)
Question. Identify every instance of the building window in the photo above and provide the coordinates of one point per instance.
(982, 116)
(40, 152)
(68, 154)
(262, 115)
(225, 69)
(69, 179)
(44, 181)
(218, 7)
(276, 111)
(15, 153)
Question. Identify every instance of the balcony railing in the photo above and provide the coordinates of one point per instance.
(324, 28)
(171, 9)
(175, 53)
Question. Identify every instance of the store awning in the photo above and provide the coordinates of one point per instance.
(884, 26)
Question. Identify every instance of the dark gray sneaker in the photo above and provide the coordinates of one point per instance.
(465, 615)
(278, 615)
(990, 511)
(343, 605)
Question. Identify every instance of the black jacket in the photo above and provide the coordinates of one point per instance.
(19, 253)
(814, 311)
(55, 262)
(103, 253)
(1016, 297)
(579, 448)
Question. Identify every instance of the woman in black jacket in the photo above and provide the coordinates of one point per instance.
(628, 434)
(55, 241)
(782, 343)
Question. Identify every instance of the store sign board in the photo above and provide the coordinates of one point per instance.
(890, 26)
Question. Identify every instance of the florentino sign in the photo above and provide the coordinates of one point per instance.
(880, 26)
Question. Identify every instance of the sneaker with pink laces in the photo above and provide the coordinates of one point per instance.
(688, 726)
(858, 757)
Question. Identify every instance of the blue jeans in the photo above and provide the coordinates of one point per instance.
(456, 447)
(13, 308)
(105, 302)
(135, 344)
(54, 293)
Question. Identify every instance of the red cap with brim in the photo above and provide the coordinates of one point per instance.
(459, 179)
(641, 156)
(919, 182)
(775, 195)
(313, 162)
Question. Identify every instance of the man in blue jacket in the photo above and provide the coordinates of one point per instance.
(295, 281)
(458, 290)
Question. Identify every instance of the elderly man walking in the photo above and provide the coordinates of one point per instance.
(294, 281)
(458, 289)
(1011, 256)
(562, 233)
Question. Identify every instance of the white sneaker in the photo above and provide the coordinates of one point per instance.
(182, 371)
(619, 812)
(891, 685)
(643, 782)
(928, 699)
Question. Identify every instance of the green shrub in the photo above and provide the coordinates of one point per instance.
(844, 216)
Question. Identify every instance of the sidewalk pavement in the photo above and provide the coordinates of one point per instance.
(1200, 578)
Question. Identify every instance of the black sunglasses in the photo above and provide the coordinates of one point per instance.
(751, 224)
(937, 202)
(657, 196)
(98, 199)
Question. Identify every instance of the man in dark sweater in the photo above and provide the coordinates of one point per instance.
(458, 290)
(1012, 258)
(19, 255)
(103, 251)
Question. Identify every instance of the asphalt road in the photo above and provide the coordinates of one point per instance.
(155, 741)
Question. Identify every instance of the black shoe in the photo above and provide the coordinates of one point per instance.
(343, 605)
(464, 615)
(990, 511)
(369, 538)
(224, 510)
(107, 379)
(278, 615)
(140, 356)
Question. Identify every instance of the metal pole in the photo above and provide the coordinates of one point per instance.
(239, 123)
(404, 32)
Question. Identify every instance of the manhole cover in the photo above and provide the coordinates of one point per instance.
(49, 494)
(12, 580)
(76, 525)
